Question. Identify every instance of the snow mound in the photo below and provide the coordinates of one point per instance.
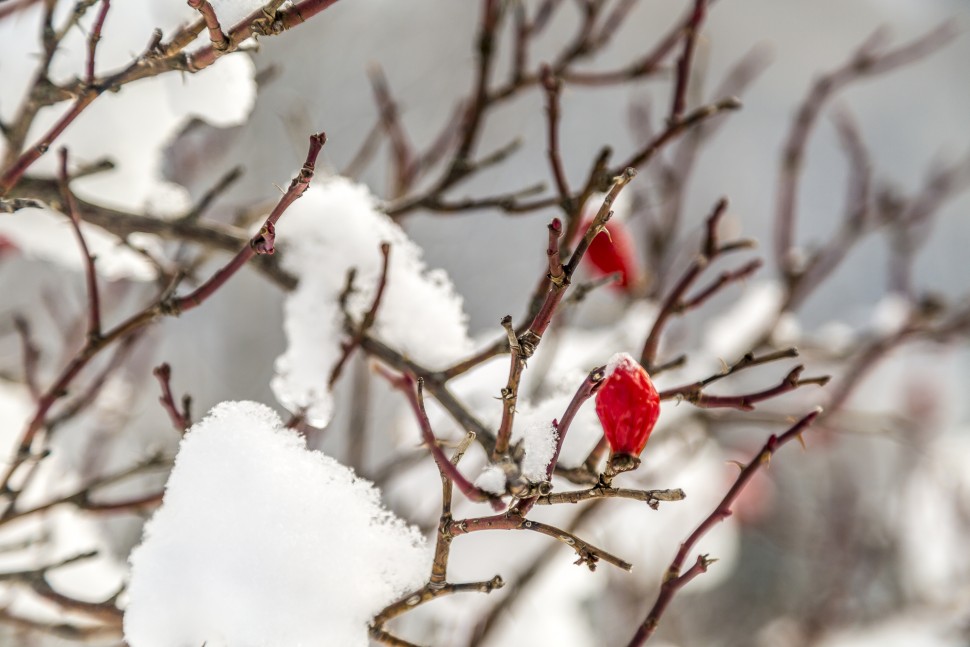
(262, 542)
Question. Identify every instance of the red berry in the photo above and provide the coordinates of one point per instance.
(627, 405)
(612, 250)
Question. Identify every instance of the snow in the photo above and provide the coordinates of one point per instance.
(334, 227)
(539, 443)
(262, 542)
(46, 235)
(492, 479)
(625, 360)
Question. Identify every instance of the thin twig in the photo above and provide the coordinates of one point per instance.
(90, 274)
(675, 577)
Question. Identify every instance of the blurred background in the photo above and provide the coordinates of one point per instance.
(857, 540)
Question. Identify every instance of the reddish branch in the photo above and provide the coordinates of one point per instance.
(747, 401)
(179, 416)
(90, 274)
(401, 150)
(553, 88)
(30, 354)
(525, 345)
(259, 23)
(262, 242)
(585, 391)
(675, 577)
(158, 58)
(170, 306)
(358, 331)
(219, 39)
(682, 78)
(415, 398)
(13, 174)
(676, 301)
(675, 128)
(94, 38)
(867, 61)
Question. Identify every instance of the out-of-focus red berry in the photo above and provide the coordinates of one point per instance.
(613, 251)
(627, 405)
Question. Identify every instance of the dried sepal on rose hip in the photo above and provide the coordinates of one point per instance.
(628, 406)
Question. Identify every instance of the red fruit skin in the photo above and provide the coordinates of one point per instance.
(628, 406)
(613, 251)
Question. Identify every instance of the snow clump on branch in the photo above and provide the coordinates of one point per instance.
(335, 227)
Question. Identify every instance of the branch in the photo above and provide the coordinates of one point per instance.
(675, 579)
(529, 341)
(587, 553)
(165, 306)
(94, 38)
(650, 497)
(219, 39)
(263, 241)
(358, 331)
(683, 63)
(864, 63)
(448, 470)
(180, 418)
(675, 302)
(90, 274)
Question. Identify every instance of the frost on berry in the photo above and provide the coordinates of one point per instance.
(628, 406)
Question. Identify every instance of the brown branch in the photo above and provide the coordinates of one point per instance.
(725, 278)
(82, 497)
(586, 552)
(259, 23)
(855, 222)
(401, 152)
(430, 592)
(650, 497)
(676, 578)
(435, 383)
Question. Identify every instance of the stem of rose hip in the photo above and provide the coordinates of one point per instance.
(525, 345)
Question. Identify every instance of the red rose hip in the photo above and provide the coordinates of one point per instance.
(628, 406)
(612, 251)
